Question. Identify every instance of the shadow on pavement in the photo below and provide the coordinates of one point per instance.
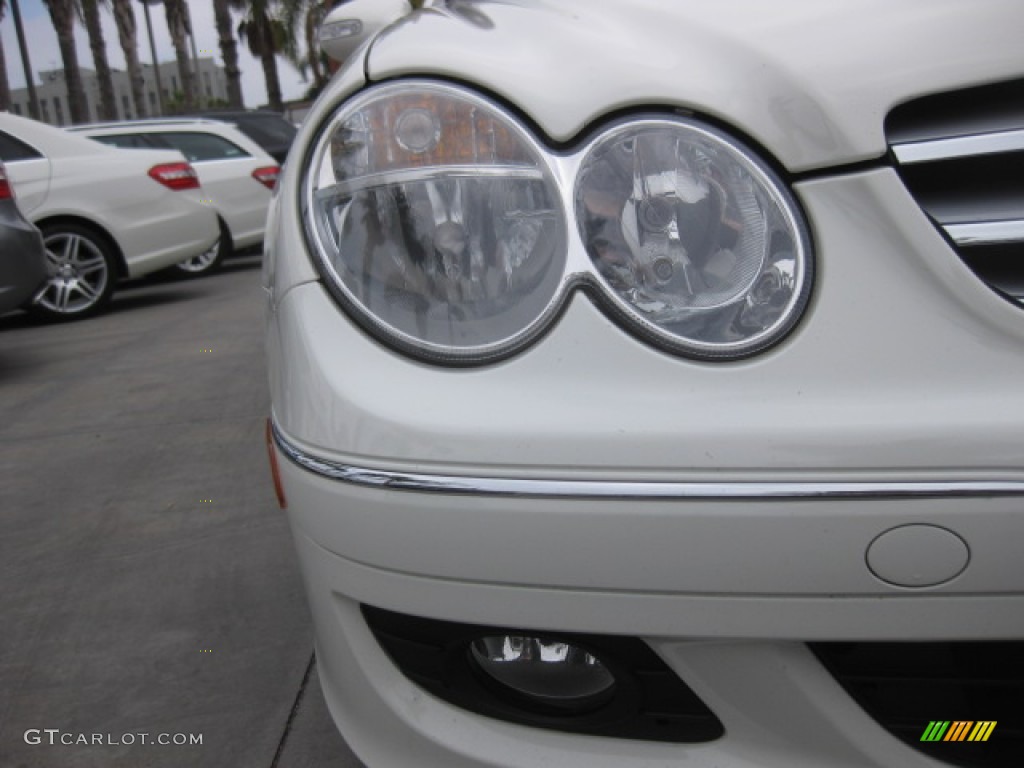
(250, 260)
(124, 300)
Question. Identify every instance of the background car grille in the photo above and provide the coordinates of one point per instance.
(961, 155)
(906, 686)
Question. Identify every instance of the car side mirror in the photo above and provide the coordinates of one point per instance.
(352, 22)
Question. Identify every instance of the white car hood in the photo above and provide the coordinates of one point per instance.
(810, 81)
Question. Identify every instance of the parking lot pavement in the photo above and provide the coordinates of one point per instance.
(149, 587)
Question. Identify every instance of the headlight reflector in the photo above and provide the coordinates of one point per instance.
(436, 221)
(695, 242)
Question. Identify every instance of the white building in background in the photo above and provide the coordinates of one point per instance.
(53, 95)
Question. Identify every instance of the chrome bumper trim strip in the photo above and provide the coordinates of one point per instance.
(596, 489)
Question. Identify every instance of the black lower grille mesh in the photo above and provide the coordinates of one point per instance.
(906, 687)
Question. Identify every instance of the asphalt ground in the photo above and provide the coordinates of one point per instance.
(148, 582)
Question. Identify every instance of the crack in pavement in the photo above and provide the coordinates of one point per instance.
(294, 711)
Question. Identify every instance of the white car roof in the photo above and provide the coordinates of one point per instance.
(50, 141)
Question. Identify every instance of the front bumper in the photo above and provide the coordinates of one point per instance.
(737, 640)
(791, 567)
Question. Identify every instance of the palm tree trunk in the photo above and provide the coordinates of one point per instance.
(268, 59)
(63, 17)
(124, 17)
(266, 36)
(314, 18)
(229, 52)
(5, 86)
(175, 11)
(98, 46)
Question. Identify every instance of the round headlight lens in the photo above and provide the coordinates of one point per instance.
(436, 222)
(697, 244)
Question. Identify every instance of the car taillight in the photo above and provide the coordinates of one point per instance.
(176, 176)
(267, 176)
(6, 190)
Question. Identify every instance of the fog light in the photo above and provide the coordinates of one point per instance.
(601, 685)
(551, 673)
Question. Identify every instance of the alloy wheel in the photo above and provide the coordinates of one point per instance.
(203, 262)
(80, 274)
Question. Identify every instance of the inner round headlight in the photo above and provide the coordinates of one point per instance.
(697, 244)
(436, 222)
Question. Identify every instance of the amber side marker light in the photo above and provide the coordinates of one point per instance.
(275, 471)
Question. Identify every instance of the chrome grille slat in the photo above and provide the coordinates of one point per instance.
(959, 146)
(986, 232)
(973, 208)
(961, 155)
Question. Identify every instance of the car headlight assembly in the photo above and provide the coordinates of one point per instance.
(439, 224)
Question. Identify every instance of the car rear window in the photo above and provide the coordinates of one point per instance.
(196, 147)
(129, 141)
(12, 150)
(200, 147)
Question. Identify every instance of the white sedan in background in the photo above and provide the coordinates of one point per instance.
(105, 213)
(237, 175)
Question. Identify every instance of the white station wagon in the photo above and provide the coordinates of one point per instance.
(647, 382)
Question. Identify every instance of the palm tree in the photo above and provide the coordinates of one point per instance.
(266, 36)
(307, 14)
(62, 13)
(229, 51)
(124, 18)
(98, 46)
(178, 27)
(314, 56)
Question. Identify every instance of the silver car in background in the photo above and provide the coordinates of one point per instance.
(22, 256)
